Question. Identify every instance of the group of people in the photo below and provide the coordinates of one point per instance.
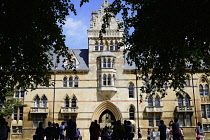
(176, 133)
(55, 132)
(117, 131)
(4, 129)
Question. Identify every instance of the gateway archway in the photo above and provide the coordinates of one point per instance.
(107, 109)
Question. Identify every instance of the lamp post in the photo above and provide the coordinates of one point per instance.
(56, 65)
(194, 101)
(137, 98)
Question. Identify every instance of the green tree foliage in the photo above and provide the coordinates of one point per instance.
(165, 39)
(30, 31)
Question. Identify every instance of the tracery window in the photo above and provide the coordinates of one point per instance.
(157, 101)
(104, 63)
(70, 82)
(44, 101)
(66, 102)
(205, 111)
(37, 101)
(19, 93)
(109, 79)
(204, 88)
(150, 101)
(109, 63)
(96, 46)
(104, 80)
(101, 47)
(111, 47)
(187, 81)
(74, 102)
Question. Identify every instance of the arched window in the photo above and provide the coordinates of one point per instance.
(66, 101)
(109, 80)
(104, 63)
(150, 102)
(64, 82)
(187, 101)
(74, 63)
(74, 102)
(201, 90)
(187, 81)
(157, 101)
(70, 82)
(131, 90)
(111, 48)
(37, 101)
(131, 113)
(206, 90)
(109, 63)
(104, 80)
(76, 82)
(180, 101)
(44, 101)
(96, 47)
(101, 47)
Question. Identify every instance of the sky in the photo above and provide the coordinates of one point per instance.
(75, 28)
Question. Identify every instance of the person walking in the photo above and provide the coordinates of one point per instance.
(199, 131)
(62, 127)
(76, 136)
(96, 130)
(40, 132)
(162, 129)
(175, 129)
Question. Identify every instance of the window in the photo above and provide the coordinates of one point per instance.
(44, 101)
(131, 113)
(187, 101)
(206, 127)
(37, 119)
(101, 47)
(18, 113)
(36, 102)
(151, 122)
(76, 82)
(188, 120)
(74, 102)
(150, 102)
(205, 111)
(157, 120)
(96, 47)
(187, 81)
(74, 63)
(111, 48)
(181, 120)
(104, 63)
(109, 80)
(180, 101)
(66, 102)
(204, 88)
(16, 129)
(109, 63)
(131, 91)
(70, 82)
(104, 80)
(116, 47)
(19, 93)
(157, 101)
(64, 82)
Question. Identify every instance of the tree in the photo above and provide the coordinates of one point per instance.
(30, 32)
(165, 39)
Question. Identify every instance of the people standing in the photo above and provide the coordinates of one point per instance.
(3, 128)
(175, 129)
(182, 134)
(8, 130)
(130, 128)
(49, 131)
(76, 136)
(91, 131)
(40, 132)
(154, 134)
(139, 133)
(71, 129)
(162, 129)
(168, 133)
(57, 131)
(199, 131)
(62, 127)
(96, 130)
(118, 131)
(148, 134)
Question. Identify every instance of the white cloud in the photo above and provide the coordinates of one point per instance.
(76, 33)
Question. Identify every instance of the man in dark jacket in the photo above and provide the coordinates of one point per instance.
(162, 129)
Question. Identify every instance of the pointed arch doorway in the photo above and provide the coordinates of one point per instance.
(107, 112)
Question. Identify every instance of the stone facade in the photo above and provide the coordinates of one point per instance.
(105, 88)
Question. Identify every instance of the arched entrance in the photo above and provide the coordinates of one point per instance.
(109, 109)
(107, 117)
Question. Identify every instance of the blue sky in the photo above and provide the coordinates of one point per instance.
(76, 27)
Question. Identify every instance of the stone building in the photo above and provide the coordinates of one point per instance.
(105, 88)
